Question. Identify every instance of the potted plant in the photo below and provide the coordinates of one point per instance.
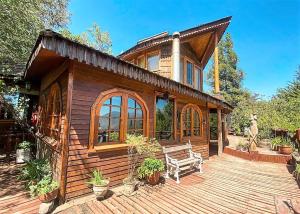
(275, 143)
(242, 147)
(23, 152)
(100, 184)
(150, 169)
(138, 147)
(285, 146)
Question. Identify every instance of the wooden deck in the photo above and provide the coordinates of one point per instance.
(13, 197)
(228, 185)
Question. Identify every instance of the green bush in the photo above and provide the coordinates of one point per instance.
(45, 185)
(26, 145)
(276, 142)
(35, 170)
(97, 178)
(149, 167)
(297, 171)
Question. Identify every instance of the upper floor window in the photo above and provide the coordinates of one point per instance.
(191, 121)
(141, 61)
(153, 61)
(164, 118)
(189, 73)
(114, 114)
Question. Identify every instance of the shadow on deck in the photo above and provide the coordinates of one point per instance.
(228, 185)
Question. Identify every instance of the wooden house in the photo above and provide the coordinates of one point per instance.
(90, 100)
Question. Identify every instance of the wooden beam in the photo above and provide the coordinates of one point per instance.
(220, 141)
(66, 135)
(216, 66)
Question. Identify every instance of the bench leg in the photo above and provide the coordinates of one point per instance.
(177, 176)
(167, 175)
(200, 167)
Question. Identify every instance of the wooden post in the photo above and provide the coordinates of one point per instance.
(220, 141)
(216, 66)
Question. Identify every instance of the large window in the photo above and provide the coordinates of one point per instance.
(189, 73)
(191, 123)
(153, 61)
(116, 113)
(164, 118)
(50, 112)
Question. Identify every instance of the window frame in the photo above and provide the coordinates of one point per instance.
(198, 82)
(95, 115)
(193, 107)
(186, 71)
(153, 53)
(141, 57)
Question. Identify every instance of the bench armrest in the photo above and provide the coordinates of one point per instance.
(196, 155)
(172, 161)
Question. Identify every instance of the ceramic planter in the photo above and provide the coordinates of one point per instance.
(50, 196)
(100, 190)
(285, 150)
(154, 178)
(23, 155)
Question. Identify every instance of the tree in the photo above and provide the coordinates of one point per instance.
(21, 22)
(93, 37)
(230, 75)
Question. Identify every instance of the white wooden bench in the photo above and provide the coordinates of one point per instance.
(175, 166)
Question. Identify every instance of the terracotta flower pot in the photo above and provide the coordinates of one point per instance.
(50, 196)
(286, 150)
(154, 178)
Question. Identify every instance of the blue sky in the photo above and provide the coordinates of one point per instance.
(266, 33)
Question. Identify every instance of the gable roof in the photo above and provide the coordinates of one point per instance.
(64, 48)
(159, 39)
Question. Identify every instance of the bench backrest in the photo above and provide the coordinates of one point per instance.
(167, 150)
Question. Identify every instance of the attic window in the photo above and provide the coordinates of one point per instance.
(153, 61)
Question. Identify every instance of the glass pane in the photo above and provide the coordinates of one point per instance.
(141, 62)
(138, 106)
(107, 102)
(153, 63)
(103, 123)
(131, 103)
(131, 113)
(197, 132)
(196, 119)
(115, 123)
(139, 114)
(114, 136)
(116, 101)
(104, 112)
(189, 70)
(102, 137)
(115, 111)
(130, 124)
(164, 118)
(139, 124)
(196, 77)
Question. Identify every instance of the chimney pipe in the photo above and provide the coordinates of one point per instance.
(176, 56)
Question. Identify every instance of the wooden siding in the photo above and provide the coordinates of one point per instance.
(87, 84)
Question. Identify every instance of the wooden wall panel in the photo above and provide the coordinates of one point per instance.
(88, 83)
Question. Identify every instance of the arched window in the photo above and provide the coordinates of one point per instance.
(191, 121)
(50, 112)
(114, 114)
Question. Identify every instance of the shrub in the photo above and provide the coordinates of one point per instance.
(45, 185)
(26, 145)
(97, 178)
(275, 142)
(297, 171)
(149, 167)
(35, 170)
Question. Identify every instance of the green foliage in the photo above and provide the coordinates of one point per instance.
(93, 37)
(297, 170)
(23, 22)
(285, 142)
(138, 148)
(150, 166)
(98, 179)
(164, 120)
(35, 170)
(275, 142)
(26, 145)
(45, 185)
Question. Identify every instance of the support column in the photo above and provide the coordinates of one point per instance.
(176, 56)
(220, 141)
(216, 66)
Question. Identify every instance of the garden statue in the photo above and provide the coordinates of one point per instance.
(253, 133)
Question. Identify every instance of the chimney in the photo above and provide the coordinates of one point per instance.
(176, 56)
